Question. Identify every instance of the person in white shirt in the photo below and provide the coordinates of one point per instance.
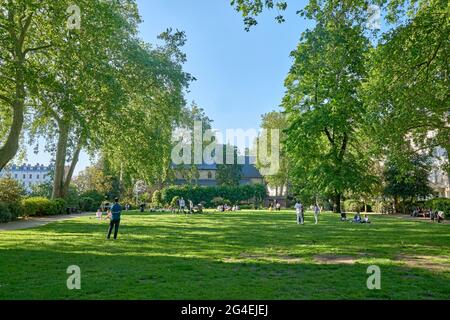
(299, 210)
(316, 213)
(182, 204)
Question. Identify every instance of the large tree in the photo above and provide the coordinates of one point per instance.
(325, 140)
(26, 28)
(280, 180)
(407, 90)
(78, 86)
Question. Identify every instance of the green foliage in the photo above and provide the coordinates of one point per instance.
(278, 121)
(408, 180)
(89, 204)
(11, 197)
(95, 195)
(157, 198)
(439, 204)
(353, 205)
(5, 214)
(42, 190)
(40, 206)
(325, 140)
(229, 174)
(173, 202)
(217, 201)
(255, 192)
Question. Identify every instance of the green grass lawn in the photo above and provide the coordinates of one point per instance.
(245, 255)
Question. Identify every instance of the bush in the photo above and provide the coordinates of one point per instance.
(353, 205)
(58, 206)
(174, 202)
(157, 199)
(5, 214)
(11, 197)
(39, 206)
(255, 192)
(439, 204)
(217, 201)
(88, 204)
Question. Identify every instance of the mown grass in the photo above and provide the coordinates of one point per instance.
(245, 255)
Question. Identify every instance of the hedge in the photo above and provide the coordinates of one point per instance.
(10, 200)
(439, 204)
(206, 195)
(39, 206)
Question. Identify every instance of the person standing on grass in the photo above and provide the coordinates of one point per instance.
(299, 210)
(116, 211)
(316, 213)
(182, 204)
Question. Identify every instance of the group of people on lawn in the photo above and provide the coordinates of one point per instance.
(427, 212)
(190, 207)
(300, 211)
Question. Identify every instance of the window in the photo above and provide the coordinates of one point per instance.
(209, 175)
(15, 176)
(31, 176)
(37, 177)
(24, 177)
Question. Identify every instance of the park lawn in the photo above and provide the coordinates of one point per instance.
(244, 255)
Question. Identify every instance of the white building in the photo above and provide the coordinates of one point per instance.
(439, 179)
(27, 174)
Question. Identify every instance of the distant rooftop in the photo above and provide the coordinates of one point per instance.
(27, 167)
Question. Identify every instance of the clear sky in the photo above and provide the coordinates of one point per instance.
(239, 74)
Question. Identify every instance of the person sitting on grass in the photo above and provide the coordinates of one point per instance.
(343, 216)
(366, 219)
(357, 217)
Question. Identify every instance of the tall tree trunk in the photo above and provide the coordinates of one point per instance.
(11, 145)
(337, 202)
(60, 161)
(73, 164)
(9, 149)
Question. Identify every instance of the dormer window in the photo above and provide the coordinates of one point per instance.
(209, 175)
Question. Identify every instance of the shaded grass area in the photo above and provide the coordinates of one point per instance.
(245, 255)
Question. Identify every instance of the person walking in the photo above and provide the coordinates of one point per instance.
(116, 211)
(316, 213)
(299, 210)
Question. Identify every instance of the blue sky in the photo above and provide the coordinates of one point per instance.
(239, 74)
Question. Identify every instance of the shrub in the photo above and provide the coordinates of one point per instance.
(58, 206)
(39, 206)
(95, 195)
(157, 199)
(88, 204)
(256, 192)
(217, 201)
(174, 202)
(5, 214)
(353, 205)
(439, 204)
(11, 197)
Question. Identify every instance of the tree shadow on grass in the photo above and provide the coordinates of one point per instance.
(41, 274)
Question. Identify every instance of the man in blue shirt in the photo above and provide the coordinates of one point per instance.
(116, 210)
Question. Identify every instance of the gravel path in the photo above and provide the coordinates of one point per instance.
(32, 222)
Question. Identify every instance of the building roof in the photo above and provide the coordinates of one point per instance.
(249, 169)
(27, 167)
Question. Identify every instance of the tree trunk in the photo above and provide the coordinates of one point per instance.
(9, 149)
(337, 202)
(73, 164)
(60, 161)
